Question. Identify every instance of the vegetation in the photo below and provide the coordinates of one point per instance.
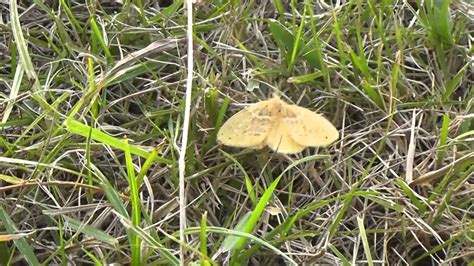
(92, 107)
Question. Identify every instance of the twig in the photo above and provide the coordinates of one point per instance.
(430, 176)
(411, 150)
(184, 140)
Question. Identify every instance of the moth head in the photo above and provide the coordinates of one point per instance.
(277, 106)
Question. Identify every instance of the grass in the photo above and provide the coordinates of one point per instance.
(92, 104)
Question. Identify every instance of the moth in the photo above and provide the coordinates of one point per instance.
(285, 128)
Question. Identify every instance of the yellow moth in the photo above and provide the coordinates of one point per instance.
(285, 128)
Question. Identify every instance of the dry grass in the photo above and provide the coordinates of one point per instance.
(395, 77)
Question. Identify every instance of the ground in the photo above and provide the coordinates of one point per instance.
(92, 105)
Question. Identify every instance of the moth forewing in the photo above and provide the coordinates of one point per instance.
(245, 128)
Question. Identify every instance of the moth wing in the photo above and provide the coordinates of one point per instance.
(247, 128)
(279, 140)
(308, 128)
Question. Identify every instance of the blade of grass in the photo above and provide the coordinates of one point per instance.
(62, 242)
(231, 241)
(25, 249)
(216, 117)
(282, 36)
(307, 78)
(15, 88)
(185, 130)
(445, 243)
(340, 44)
(416, 200)
(146, 166)
(284, 229)
(248, 183)
(242, 235)
(365, 241)
(98, 37)
(262, 203)
(94, 259)
(11, 179)
(113, 197)
(5, 256)
(152, 242)
(440, 22)
(71, 17)
(447, 196)
(22, 46)
(297, 41)
(345, 261)
(203, 241)
(361, 63)
(443, 136)
(76, 127)
(166, 14)
(89, 230)
(279, 7)
(454, 83)
(13, 58)
(388, 204)
(315, 56)
(135, 202)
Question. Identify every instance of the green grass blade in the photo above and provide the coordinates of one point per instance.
(279, 7)
(210, 102)
(216, 116)
(128, 73)
(262, 203)
(231, 241)
(71, 16)
(136, 208)
(445, 243)
(307, 78)
(76, 127)
(111, 193)
(11, 179)
(15, 88)
(443, 136)
(94, 259)
(365, 241)
(439, 18)
(146, 166)
(90, 231)
(22, 46)
(241, 235)
(449, 194)
(248, 183)
(453, 84)
(420, 204)
(297, 42)
(203, 241)
(345, 261)
(98, 37)
(166, 14)
(388, 204)
(5, 257)
(25, 249)
(282, 36)
(312, 52)
(150, 241)
(361, 64)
